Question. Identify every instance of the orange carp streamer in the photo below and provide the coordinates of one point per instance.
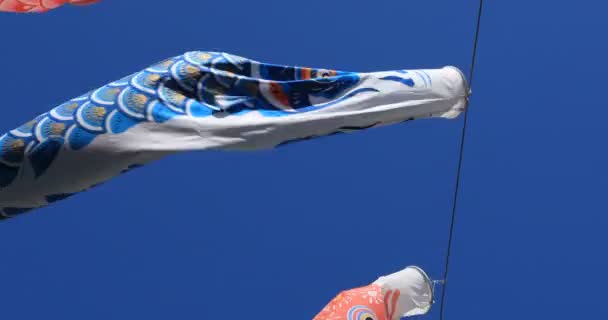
(26, 6)
(406, 293)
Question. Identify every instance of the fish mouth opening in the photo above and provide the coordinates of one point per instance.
(464, 79)
(430, 287)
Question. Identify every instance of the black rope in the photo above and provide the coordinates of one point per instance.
(459, 170)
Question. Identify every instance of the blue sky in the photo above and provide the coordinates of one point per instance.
(276, 234)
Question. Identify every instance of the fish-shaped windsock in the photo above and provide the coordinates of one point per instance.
(200, 101)
(24, 6)
(406, 293)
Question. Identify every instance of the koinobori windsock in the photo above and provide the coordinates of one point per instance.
(406, 293)
(201, 101)
(25, 6)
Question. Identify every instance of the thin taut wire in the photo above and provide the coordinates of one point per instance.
(459, 170)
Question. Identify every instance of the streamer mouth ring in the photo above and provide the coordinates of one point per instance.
(430, 287)
(464, 80)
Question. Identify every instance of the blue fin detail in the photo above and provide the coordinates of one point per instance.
(42, 156)
(160, 113)
(406, 81)
(79, 138)
(58, 197)
(198, 110)
(7, 175)
(119, 123)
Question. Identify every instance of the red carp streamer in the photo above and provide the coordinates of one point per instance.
(25, 6)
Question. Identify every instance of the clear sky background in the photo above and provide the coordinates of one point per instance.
(276, 234)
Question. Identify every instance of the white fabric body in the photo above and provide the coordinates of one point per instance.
(416, 291)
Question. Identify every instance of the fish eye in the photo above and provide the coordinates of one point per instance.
(367, 316)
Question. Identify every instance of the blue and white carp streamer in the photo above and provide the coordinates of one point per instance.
(202, 101)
